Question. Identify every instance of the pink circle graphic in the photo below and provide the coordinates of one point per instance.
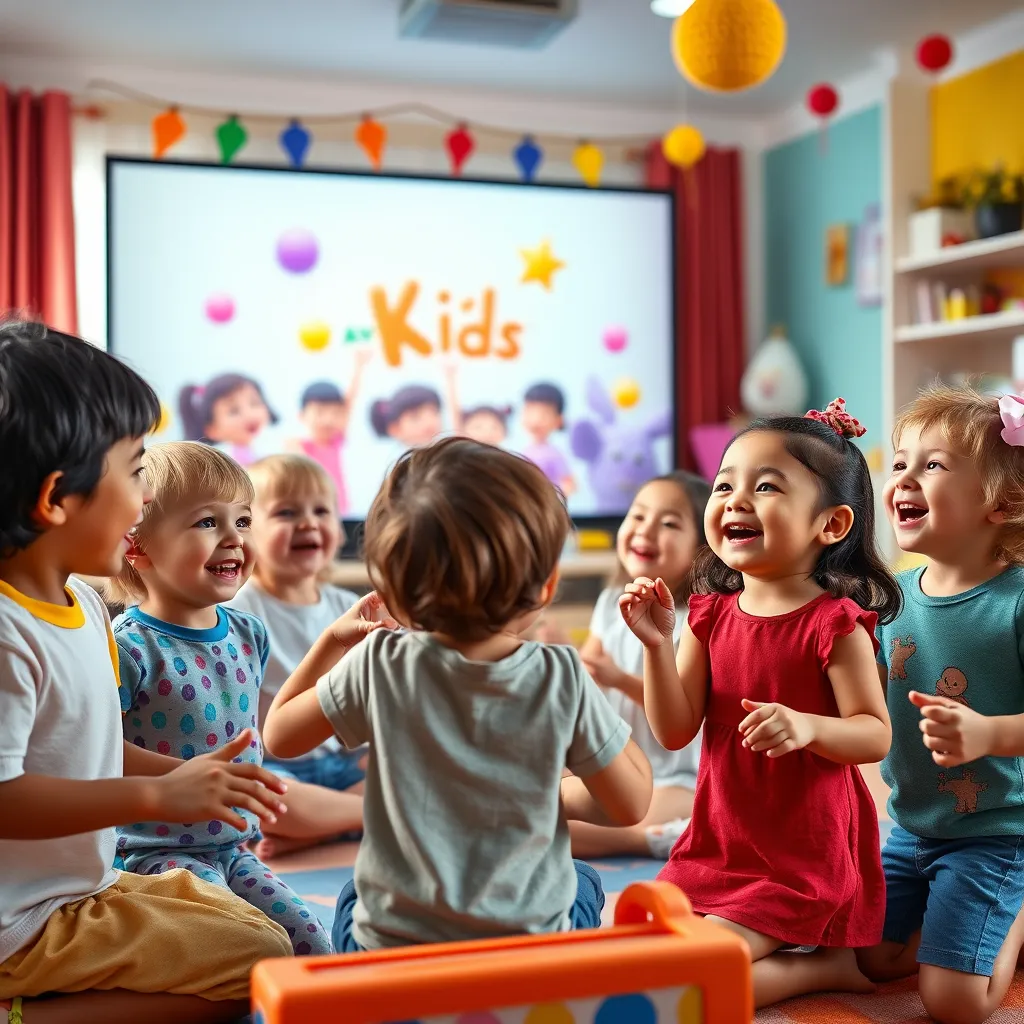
(616, 339)
(220, 308)
(297, 250)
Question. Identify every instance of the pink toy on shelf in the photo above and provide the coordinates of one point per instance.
(659, 964)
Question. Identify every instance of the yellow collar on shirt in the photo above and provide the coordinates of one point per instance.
(67, 616)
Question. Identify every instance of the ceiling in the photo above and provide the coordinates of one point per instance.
(616, 50)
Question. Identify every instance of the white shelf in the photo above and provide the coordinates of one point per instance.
(990, 327)
(1002, 251)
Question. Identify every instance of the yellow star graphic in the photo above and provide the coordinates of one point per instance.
(541, 263)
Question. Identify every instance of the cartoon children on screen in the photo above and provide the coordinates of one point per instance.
(487, 424)
(543, 414)
(229, 411)
(325, 413)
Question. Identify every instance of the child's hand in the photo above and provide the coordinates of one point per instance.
(649, 610)
(953, 732)
(363, 355)
(775, 729)
(364, 617)
(602, 670)
(210, 787)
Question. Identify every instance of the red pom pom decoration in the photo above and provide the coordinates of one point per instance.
(934, 53)
(822, 100)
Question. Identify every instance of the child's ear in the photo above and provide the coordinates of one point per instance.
(837, 525)
(49, 509)
(550, 588)
(997, 516)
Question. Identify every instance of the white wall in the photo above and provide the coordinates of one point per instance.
(414, 144)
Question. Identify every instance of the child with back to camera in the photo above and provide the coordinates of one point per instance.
(296, 534)
(191, 668)
(777, 660)
(72, 423)
(469, 726)
(659, 537)
(952, 667)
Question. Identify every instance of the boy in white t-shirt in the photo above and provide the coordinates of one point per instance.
(170, 946)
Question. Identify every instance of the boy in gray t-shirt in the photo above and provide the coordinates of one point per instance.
(470, 727)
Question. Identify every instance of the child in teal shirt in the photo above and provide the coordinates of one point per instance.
(953, 667)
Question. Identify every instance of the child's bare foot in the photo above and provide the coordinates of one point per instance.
(279, 846)
(841, 973)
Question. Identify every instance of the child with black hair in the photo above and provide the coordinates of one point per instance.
(325, 412)
(470, 726)
(777, 658)
(228, 411)
(487, 424)
(543, 414)
(412, 416)
(72, 422)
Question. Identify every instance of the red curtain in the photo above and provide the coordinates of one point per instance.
(709, 245)
(37, 228)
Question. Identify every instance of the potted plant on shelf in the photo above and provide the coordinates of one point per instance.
(997, 198)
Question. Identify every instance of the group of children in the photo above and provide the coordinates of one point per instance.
(755, 621)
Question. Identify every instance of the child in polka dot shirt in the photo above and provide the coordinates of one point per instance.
(191, 669)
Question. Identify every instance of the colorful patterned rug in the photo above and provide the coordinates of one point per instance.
(319, 874)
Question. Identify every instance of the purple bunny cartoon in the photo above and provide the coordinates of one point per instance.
(620, 458)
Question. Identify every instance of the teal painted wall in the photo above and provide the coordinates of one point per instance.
(806, 190)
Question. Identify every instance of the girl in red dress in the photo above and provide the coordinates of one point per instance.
(778, 662)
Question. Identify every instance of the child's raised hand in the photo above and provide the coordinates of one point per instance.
(649, 610)
(364, 617)
(602, 670)
(953, 732)
(211, 786)
(774, 729)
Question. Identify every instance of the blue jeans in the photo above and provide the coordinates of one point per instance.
(585, 913)
(963, 894)
(338, 771)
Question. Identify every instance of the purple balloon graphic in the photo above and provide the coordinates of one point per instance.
(297, 250)
(616, 339)
(220, 308)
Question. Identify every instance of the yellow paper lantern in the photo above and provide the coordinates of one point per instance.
(626, 393)
(729, 45)
(315, 335)
(589, 161)
(683, 146)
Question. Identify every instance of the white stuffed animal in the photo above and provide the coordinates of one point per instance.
(774, 381)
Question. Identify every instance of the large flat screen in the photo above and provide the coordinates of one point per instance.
(351, 316)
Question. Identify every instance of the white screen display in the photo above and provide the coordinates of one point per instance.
(351, 316)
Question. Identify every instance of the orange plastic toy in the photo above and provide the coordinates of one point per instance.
(659, 964)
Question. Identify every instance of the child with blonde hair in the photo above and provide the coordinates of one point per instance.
(659, 537)
(777, 660)
(191, 668)
(296, 533)
(469, 725)
(953, 667)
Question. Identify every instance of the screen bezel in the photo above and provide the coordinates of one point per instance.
(353, 527)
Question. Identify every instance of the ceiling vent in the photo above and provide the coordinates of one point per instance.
(525, 24)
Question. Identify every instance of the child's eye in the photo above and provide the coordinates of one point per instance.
(898, 467)
(323, 511)
(670, 524)
(243, 523)
(935, 465)
(284, 513)
(207, 523)
(765, 486)
(722, 488)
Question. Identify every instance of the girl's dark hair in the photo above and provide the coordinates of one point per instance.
(386, 412)
(852, 568)
(698, 492)
(322, 391)
(196, 402)
(501, 414)
(546, 394)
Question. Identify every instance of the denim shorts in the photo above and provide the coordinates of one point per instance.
(963, 895)
(338, 771)
(585, 912)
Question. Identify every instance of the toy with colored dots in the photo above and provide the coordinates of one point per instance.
(659, 964)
